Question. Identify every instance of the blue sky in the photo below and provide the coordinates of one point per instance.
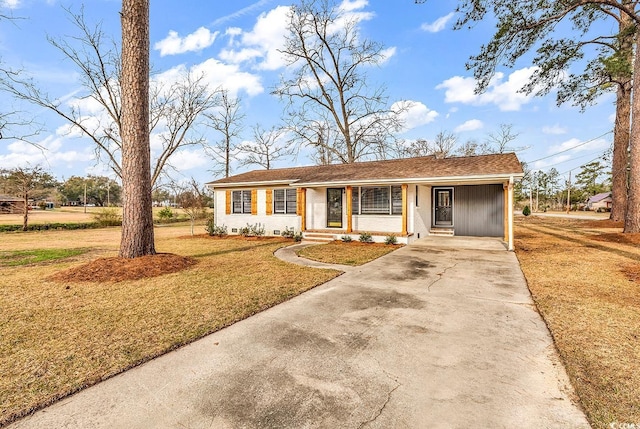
(235, 45)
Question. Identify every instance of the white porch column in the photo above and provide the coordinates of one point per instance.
(510, 212)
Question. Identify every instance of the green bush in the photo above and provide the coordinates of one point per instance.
(50, 226)
(391, 239)
(165, 214)
(526, 211)
(346, 239)
(108, 217)
(288, 233)
(215, 230)
(365, 237)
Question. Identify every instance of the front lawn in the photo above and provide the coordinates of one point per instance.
(61, 336)
(585, 280)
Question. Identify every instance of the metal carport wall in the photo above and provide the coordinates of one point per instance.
(478, 210)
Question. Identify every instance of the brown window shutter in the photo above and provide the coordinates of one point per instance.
(269, 202)
(254, 201)
(228, 203)
(299, 201)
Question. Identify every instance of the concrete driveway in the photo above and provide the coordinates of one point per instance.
(439, 334)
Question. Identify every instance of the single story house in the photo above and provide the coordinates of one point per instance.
(409, 198)
(601, 201)
(11, 205)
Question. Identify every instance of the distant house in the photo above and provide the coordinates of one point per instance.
(409, 198)
(11, 205)
(600, 202)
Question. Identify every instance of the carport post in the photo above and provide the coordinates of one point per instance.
(510, 243)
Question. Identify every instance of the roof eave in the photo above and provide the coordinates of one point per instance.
(486, 178)
(213, 185)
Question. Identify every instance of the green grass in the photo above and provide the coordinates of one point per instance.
(58, 337)
(353, 253)
(26, 257)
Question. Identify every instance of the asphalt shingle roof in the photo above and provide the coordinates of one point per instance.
(422, 167)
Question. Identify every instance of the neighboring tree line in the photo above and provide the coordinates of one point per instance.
(543, 190)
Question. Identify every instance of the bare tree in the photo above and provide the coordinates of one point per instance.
(174, 112)
(27, 183)
(444, 143)
(267, 146)
(137, 215)
(326, 85)
(192, 200)
(498, 141)
(226, 119)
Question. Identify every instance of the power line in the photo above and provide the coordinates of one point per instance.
(572, 148)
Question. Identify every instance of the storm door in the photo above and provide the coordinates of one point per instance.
(334, 207)
(443, 201)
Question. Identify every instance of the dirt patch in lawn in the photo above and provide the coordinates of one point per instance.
(122, 269)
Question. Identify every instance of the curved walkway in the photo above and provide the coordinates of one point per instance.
(288, 254)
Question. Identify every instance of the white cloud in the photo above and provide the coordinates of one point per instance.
(554, 129)
(387, 54)
(10, 4)
(261, 44)
(576, 145)
(567, 150)
(173, 44)
(48, 153)
(504, 94)
(350, 10)
(439, 24)
(415, 113)
(470, 125)
(189, 159)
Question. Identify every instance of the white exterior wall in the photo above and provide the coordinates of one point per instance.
(421, 213)
(271, 223)
(378, 223)
(317, 208)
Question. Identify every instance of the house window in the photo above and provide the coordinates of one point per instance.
(241, 201)
(355, 200)
(396, 200)
(284, 201)
(378, 200)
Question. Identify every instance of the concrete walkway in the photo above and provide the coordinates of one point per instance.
(438, 334)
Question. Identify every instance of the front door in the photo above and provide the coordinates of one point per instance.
(443, 207)
(334, 207)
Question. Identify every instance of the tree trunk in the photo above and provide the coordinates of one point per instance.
(619, 181)
(25, 213)
(137, 216)
(621, 136)
(632, 217)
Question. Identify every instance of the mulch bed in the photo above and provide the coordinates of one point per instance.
(121, 269)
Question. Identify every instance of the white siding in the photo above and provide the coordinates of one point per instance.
(317, 208)
(378, 223)
(421, 222)
(271, 223)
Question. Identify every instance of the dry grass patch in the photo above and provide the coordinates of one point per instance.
(353, 253)
(59, 337)
(583, 278)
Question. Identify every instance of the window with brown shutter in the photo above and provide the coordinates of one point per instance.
(228, 202)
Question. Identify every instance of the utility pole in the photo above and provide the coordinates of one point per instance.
(569, 193)
(85, 196)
